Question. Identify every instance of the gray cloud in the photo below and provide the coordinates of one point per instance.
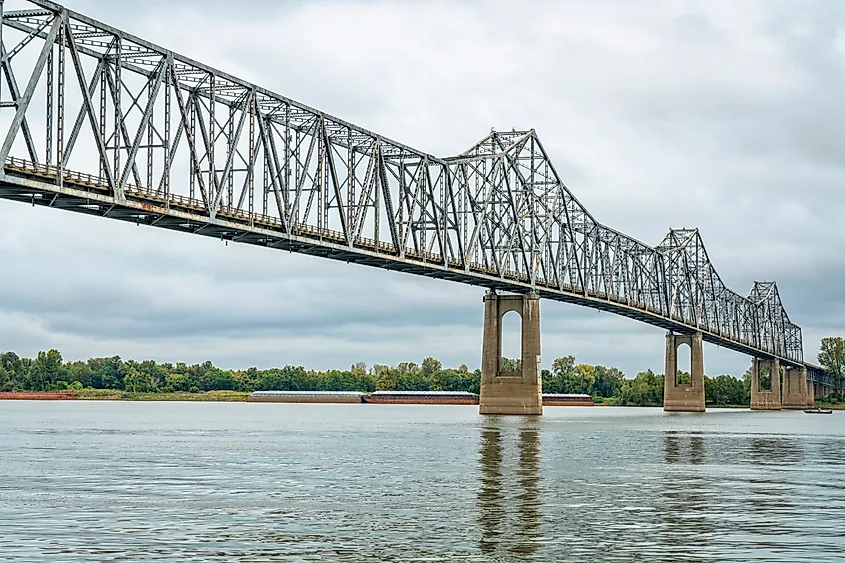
(718, 115)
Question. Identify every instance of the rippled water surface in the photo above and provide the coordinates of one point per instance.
(103, 481)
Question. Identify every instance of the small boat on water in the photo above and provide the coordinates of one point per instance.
(818, 410)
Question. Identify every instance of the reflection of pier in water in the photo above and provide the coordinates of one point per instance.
(684, 508)
(509, 491)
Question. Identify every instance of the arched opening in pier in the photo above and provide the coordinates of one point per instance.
(511, 359)
(684, 367)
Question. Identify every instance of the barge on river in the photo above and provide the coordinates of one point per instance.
(567, 400)
(402, 398)
(422, 398)
(304, 397)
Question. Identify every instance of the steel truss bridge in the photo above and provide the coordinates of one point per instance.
(98, 121)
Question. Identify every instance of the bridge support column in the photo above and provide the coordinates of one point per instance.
(511, 392)
(684, 397)
(765, 400)
(823, 391)
(795, 388)
(811, 393)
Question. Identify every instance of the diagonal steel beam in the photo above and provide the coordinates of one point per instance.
(154, 86)
(23, 102)
(231, 156)
(80, 116)
(190, 137)
(15, 92)
(92, 117)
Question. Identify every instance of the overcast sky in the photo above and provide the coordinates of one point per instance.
(722, 115)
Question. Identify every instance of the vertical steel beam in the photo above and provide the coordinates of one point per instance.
(51, 84)
(168, 116)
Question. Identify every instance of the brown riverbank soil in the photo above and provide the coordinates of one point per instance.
(39, 395)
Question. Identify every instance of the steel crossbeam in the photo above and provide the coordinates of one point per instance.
(132, 131)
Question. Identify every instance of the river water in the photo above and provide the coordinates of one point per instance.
(122, 481)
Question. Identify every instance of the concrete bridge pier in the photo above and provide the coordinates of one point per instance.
(795, 388)
(511, 392)
(768, 400)
(684, 397)
(824, 391)
(811, 393)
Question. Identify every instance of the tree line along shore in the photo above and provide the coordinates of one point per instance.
(114, 378)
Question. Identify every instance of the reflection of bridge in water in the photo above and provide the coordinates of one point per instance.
(509, 498)
(100, 122)
(555, 489)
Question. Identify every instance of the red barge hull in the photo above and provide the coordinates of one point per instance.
(419, 400)
(567, 400)
(553, 403)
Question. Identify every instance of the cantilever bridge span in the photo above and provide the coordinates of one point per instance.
(98, 121)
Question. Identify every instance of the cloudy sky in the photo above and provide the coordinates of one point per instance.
(722, 115)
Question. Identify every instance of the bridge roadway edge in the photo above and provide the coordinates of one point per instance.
(16, 187)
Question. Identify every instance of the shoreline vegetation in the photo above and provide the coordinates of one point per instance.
(203, 397)
(115, 379)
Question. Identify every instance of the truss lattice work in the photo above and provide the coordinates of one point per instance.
(101, 122)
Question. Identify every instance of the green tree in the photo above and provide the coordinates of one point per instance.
(137, 382)
(157, 373)
(406, 367)
(510, 365)
(248, 379)
(387, 380)
(563, 370)
(582, 380)
(608, 382)
(746, 382)
(107, 373)
(430, 366)
(47, 371)
(725, 390)
(215, 379)
(79, 372)
(646, 390)
(832, 358)
(455, 380)
(15, 370)
(178, 382)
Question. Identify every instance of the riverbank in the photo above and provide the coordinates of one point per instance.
(117, 395)
(834, 406)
